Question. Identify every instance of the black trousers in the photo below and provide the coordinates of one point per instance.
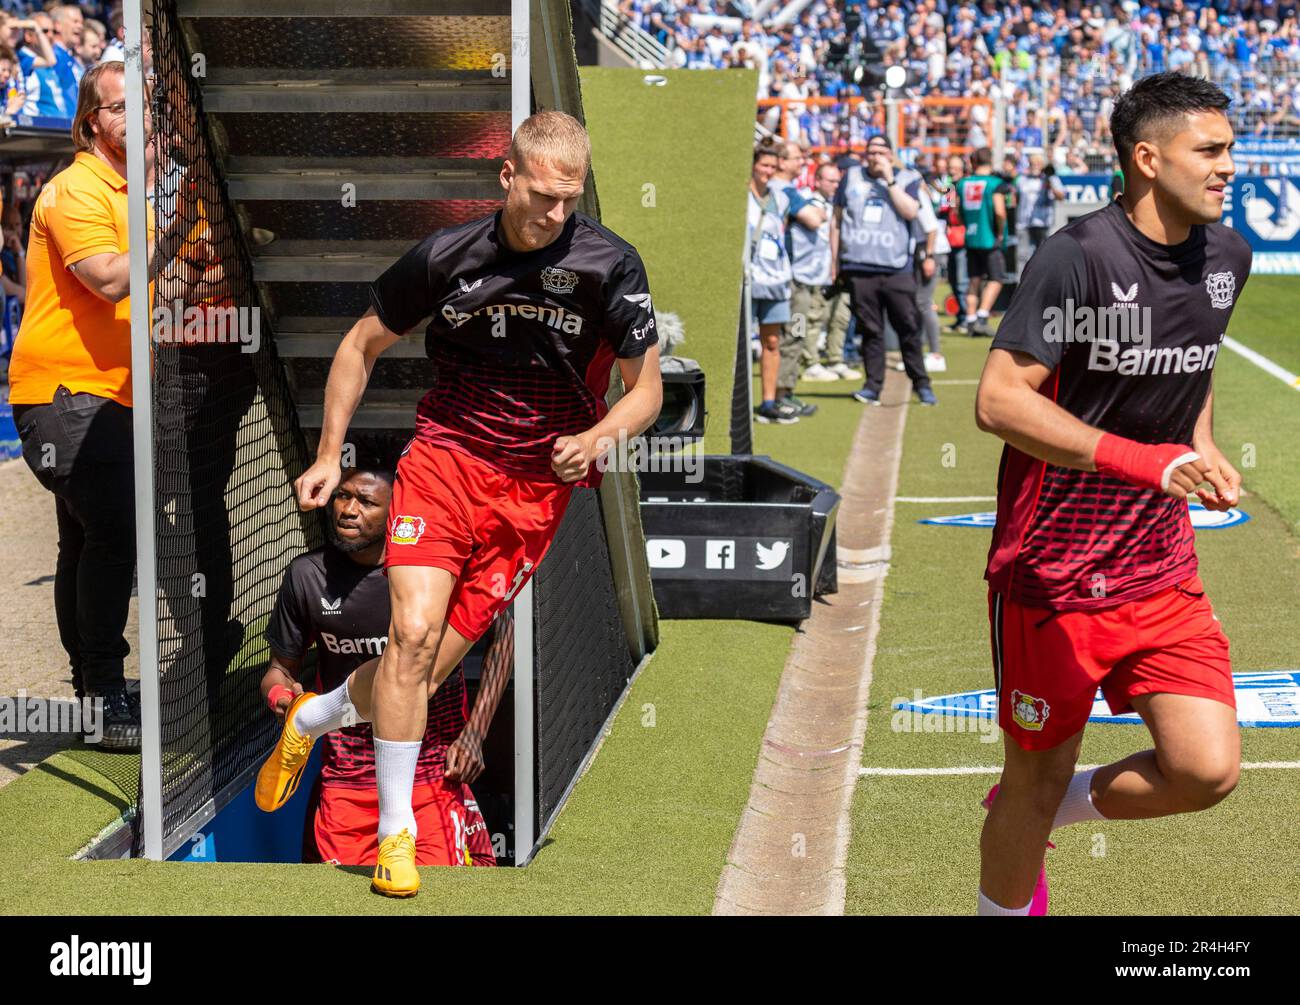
(872, 297)
(79, 448)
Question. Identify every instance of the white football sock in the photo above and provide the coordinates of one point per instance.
(983, 315)
(1077, 806)
(395, 772)
(988, 909)
(326, 712)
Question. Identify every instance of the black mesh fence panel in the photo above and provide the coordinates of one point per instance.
(580, 650)
(228, 441)
(742, 423)
(227, 448)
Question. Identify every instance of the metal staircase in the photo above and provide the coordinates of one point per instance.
(347, 131)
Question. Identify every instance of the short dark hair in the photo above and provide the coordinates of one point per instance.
(878, 139)
(373, 456)
(767, 148)
(982, 157)
(1151, 105)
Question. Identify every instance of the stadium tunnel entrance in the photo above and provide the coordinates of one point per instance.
(305, 147)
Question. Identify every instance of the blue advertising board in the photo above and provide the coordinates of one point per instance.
(1263, 208)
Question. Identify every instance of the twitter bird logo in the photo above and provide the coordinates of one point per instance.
(771, 558)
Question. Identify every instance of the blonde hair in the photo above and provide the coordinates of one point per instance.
(553, 138)
(88, 99)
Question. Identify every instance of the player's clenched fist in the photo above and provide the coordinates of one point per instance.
(317, 484)
(1171, 468)
(572, 456)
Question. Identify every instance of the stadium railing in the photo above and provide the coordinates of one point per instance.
(625, 34)
(929, 125)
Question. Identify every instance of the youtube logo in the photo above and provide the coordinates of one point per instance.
(665, 553)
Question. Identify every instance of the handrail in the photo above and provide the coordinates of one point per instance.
(879, 118)
(626, 35)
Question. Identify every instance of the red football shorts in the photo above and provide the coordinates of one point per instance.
(488, 529)
(1049, 664)
(451, 830)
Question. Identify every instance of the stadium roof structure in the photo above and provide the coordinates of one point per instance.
(36, 137)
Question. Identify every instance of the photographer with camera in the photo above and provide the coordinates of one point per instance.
(871, 247)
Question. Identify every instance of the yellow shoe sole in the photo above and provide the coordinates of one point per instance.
(274, 787)
(376, 887)
(392, 848)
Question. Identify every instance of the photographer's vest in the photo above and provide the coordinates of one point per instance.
(873, 237)
(770, 270)
(810, 250)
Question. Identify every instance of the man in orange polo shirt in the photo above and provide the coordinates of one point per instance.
(70, 386)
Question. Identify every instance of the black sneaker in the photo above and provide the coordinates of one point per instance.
(119, 712)
(777, 411)
(799, 405)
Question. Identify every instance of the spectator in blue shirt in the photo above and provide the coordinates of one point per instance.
(69, 25)
(45, 94)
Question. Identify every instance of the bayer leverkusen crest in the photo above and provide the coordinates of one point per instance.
(559, 280)
(406, 529)
(1221, 286)
(1028, 711)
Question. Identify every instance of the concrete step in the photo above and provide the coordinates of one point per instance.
(380, 409)
(323, 96)
(326, 184)
(226, 75)
(322, 345)
(253, 165)
(312, 248)
(337, 267)
(342, 8)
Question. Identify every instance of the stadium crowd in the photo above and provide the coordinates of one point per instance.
(1056, 66)
(44, 53)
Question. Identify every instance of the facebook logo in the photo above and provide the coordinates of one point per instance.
(720, 554)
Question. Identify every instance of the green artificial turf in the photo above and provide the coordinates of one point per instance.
(915, 839)
(671, 165)
(647, 829)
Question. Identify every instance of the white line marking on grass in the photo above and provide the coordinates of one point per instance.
(955, 383)
(945, 499)
(965, 770)
(997, 769)
(1264, 363)
(1281, 765)
(861, 556)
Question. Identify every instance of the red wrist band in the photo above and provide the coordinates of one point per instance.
(275, 694)
(1147, 465)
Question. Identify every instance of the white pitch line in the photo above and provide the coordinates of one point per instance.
(955, 383)
(1264, 363)
(997, 770)
(944, 499)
